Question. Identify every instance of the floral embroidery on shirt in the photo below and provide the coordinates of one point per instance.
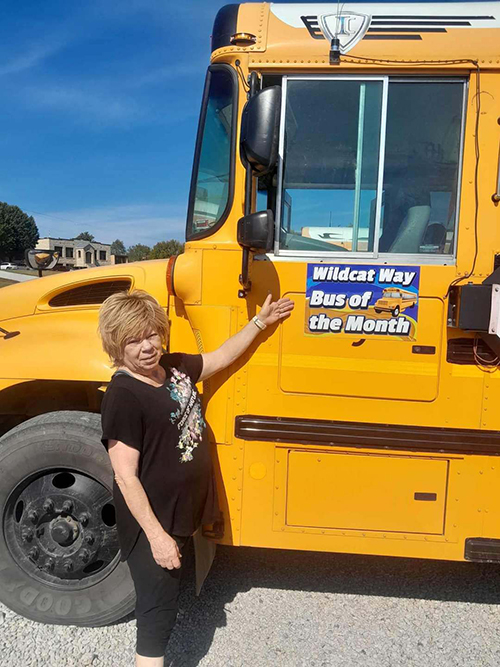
(188, 415)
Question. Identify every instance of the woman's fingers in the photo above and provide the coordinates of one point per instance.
(170, 564)
(268, 300)
(176, 564)
(273, 311)
(175, 561)
(284, 307)
(166, 552)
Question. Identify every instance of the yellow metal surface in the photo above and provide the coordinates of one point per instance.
(187, 277)
(365, 492)
(316, 364)
(293, 47)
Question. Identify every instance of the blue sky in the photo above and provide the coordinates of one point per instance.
(100, 103)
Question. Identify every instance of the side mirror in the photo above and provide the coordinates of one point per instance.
(260, 125)
(256, 231)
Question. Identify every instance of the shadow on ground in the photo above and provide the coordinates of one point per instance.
(237, 570)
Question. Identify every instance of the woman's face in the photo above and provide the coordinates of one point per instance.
(142, 354)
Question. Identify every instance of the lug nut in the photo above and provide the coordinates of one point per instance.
(68, 566)
(67, 506)
(33, 516)
(48, 506)
(84, 518)
(89, 538)
(34, 553)
(27, 535)
(85, 555)
(48, 565)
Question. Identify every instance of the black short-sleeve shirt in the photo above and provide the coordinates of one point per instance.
(166, 425)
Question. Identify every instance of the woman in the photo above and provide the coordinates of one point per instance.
(154, 431)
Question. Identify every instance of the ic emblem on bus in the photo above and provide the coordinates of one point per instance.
(350, 28)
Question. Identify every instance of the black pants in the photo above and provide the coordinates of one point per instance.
(157, 591)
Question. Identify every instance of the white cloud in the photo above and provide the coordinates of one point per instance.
(169, 72)
(95, 107)
(108, 103)
(137, 223)
(114, 95)
(31, 58)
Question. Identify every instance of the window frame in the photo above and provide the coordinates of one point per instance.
(190, 235)
(373, 256)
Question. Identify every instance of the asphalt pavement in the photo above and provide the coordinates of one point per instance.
(271, 607)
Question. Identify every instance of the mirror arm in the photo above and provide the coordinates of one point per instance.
(496, 195)
(245, 283)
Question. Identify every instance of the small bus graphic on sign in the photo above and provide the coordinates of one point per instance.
(395, 300)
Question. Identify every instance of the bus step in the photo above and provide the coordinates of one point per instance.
(482, 550)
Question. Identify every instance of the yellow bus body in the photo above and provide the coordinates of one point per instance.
(371, 449)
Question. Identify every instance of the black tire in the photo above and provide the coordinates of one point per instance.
(378, 311)
(60, 445)
(395, 312)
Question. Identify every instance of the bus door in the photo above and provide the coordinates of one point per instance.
(366, 217)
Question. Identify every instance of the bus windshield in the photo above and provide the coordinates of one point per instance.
(210, 187)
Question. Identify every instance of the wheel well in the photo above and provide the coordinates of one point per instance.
(37, 397)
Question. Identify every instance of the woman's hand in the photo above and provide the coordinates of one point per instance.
(275, 311)
(165, 551)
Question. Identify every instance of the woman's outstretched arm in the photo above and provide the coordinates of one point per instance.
(270, 313)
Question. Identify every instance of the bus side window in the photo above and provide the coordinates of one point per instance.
(421, 167)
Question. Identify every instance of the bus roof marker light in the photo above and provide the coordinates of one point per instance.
(243, 39)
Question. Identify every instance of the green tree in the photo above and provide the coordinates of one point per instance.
(138, 252)
(84, 236)
(165, 249)
(118, 248)
(18, 231)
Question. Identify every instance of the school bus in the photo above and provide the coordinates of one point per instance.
(380, 118)
(395, 301)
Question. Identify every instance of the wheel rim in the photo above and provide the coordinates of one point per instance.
(60, 528)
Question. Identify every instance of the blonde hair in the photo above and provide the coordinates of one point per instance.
(127, 315)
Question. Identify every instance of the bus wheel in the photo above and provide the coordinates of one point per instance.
(378, 311)
(59, 552)
(395, 312)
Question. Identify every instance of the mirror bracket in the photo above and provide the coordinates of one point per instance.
(245, 282)
(255, 232)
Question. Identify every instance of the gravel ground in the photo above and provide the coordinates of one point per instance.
(264, 607)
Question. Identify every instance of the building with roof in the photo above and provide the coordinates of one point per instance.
(81, 254)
